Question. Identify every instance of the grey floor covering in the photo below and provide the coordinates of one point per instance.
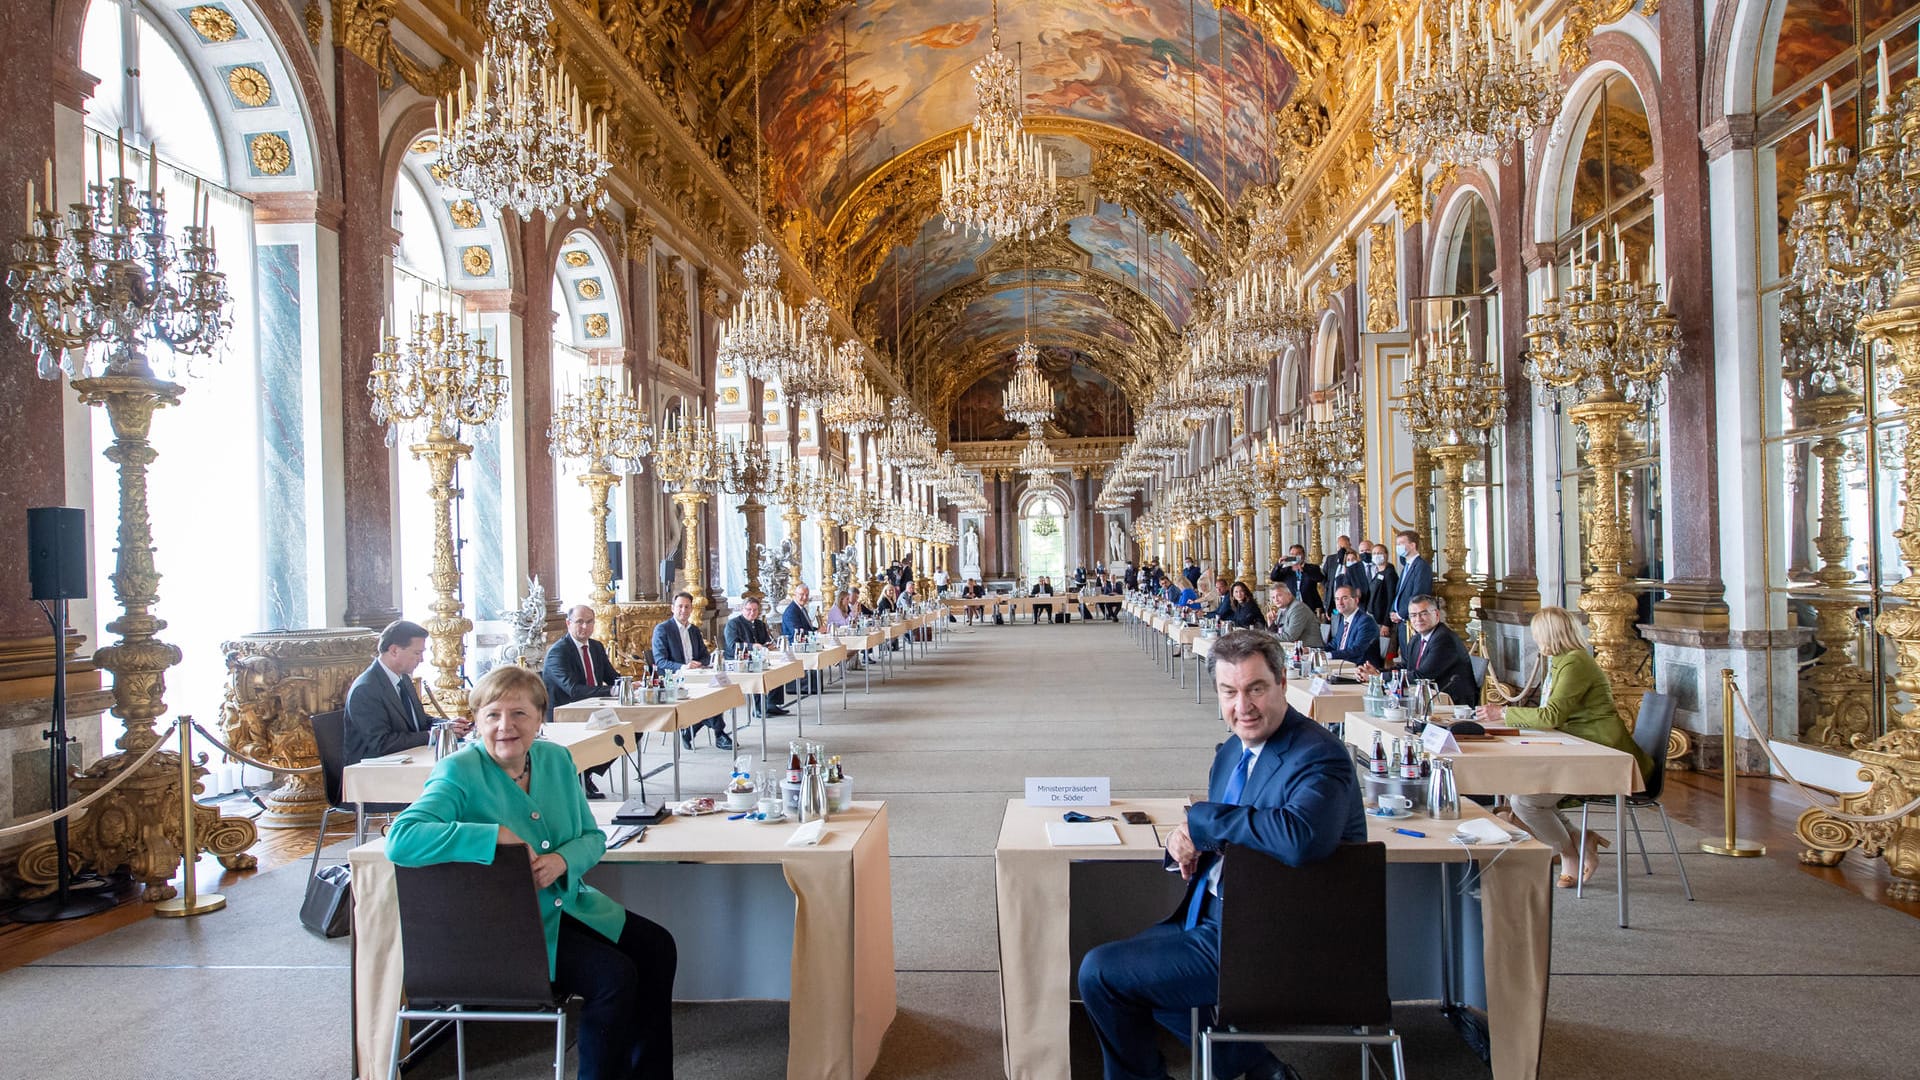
(1770, 974)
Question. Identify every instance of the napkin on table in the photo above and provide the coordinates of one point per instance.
(808, 835)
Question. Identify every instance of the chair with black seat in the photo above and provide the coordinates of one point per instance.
(487, 965)
(1273, 984)
(330, 741)
(1651, 730)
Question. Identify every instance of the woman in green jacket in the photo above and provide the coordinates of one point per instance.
(512, 790)
(1576, 699)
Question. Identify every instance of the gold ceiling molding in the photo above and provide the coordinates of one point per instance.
(1004, 454)
(364, 28)
(1127, 368)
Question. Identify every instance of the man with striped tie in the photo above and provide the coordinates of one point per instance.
(1280, 785)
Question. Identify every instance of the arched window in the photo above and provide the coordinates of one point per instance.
(1835, 470)
(1607, 206)
(1467, 308)
(226, 492)
(1043, 537)
(586, 343)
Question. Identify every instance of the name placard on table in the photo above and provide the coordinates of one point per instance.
(1068, 791)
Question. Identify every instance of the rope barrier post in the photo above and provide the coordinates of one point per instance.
(189, 902)
(1731, 845)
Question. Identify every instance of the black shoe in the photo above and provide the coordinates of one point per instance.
(723, 741)
(777, 710)
(593, 792)
(686, 738)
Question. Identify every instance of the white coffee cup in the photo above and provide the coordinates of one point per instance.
(769, 808)
(1463, 712)
(1393, 805)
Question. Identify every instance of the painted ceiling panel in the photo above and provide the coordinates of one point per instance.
(1122, 249)
(1004, 312)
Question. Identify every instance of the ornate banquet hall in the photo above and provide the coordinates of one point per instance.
(327, 317)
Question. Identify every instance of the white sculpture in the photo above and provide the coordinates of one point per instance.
(1116, 542)
(970, 547)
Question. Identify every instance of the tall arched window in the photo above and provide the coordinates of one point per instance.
(234, 441)
(1467, 306)
(1835, 470)
(587, 342)
(1608, 195)
(1043, 537)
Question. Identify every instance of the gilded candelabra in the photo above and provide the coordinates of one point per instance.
(794, 484)
(442, 378)
(1608, 345)
(687, 459)
(752, 474)
(1307, 457)
(1891, 762)
(602, 426)
(1452, 406)
(93, 286)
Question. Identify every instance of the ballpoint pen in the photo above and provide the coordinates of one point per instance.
(1411, 832)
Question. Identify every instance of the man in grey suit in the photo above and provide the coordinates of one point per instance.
(1293, 620)
(384, 715)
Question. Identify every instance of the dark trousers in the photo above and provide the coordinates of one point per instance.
(626, 1023)
(1042, 609)
(1159, 974)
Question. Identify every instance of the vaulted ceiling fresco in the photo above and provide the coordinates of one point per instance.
(1156, 110)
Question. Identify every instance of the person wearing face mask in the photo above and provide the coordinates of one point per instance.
(1336, 562)
(1351, 571)
(1382, 580)
(1416, 579)
(1301, 576)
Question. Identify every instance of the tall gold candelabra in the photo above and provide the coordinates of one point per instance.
(93, 286)
(688, 461)
(1608, 345)
(751, 474)
(1452, 406)
(602, 426)
(441, 379)
(793, 496)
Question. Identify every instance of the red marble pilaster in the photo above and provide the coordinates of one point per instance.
(366, 244)
(536, 402)
(32, 462)
(1695, 592)
(1520, 585)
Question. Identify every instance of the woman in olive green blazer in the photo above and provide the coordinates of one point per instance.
(1574, 698)
(512, 790)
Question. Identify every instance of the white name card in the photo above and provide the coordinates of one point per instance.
(1068, 791)
(1438, 740)
(1318, 686)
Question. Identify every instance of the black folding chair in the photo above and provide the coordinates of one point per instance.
(330, 740)
(474, 951)
(1273, 978)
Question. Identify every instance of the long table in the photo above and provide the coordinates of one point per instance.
(1531, 763)
(1495, 957)
(704, 702)
(729, 892)
(401, 777)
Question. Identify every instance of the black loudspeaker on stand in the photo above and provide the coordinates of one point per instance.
(57, 569)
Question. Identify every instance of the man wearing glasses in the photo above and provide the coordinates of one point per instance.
(1434, 652)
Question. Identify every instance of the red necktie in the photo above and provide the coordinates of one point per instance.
(1346, 631)
(586, 665)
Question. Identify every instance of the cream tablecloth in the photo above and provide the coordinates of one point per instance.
(1326, 708)
(703, 703)
(390, 779)
(1031, 880)
(1534, 763)
(842, 964)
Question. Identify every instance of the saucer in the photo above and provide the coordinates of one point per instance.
(1399, 815)
(781, 820)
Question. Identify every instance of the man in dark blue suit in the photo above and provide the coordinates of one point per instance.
(576, 668)
(677, 645)
(748, 629)
(795, 621)
(1282, 786)
(384, 715)
(1416, 579)
(1354, 636)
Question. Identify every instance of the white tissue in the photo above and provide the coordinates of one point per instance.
(808, 835)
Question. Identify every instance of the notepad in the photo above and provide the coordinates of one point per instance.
(1082, 834)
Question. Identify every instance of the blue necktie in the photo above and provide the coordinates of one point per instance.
(1236, 784)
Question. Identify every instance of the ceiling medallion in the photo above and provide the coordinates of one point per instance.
(424, 146)
(477, 261)
(577, 259)
(213, 24)
(525, 139)
(588, 288)
(464, 213)
(250, 86)
(998, 180)
(269, 153)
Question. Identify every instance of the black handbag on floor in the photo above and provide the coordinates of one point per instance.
(998, 620)
(328, 907)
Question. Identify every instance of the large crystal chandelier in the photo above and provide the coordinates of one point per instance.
(525, 139)
(1036, 461)
(998, 180)
(909, 439)
(762, 335)
(854, 407)
(1029, 396)
(810, 372)
(1471, 90)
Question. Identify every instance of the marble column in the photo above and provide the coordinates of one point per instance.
(32, 456)
(1519, 590)
(1002, 522)
(366, 245)
(643, 490)
(1696, 595)
(538, 499)
(1082, 555)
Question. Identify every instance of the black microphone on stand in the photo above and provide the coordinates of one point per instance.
(620, 741)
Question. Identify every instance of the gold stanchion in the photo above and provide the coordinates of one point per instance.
(1731, 844)
(190, 902)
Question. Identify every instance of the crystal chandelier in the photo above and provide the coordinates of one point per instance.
(998, 180)
(761, 336)
(104, 272)
(1610, 338)
(1450, 400)
(809, 372)
(526, 140)
(1036, 461)
(1467, 94)
(909, 439)
(602, 425)
(854, 407)
(440, 378)
(1029, 396)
